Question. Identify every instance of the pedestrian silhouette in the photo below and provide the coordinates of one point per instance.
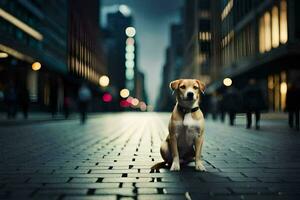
(53, 101)
(10, 98)
(24, 101)
(292, 105)
(254, 102)
(221, 107)
(67, 105)
(231, 103)
(214, 105)
(84, 96)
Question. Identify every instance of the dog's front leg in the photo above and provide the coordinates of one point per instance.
(175, 155)
(198, 149)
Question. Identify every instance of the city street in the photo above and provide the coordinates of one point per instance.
(110, 158)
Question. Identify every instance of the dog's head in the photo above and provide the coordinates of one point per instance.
(187, 90)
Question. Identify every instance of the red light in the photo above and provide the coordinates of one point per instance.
(107, 97)
(129, 99)
(124, 103)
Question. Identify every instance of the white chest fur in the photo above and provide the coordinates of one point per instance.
(186, 132)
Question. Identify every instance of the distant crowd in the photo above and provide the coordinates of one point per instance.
(250, 100)
(15, 100)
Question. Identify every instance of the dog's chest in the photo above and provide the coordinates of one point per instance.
(186, 132)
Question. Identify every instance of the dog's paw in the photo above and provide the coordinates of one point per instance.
(199, 166)
(175, 166)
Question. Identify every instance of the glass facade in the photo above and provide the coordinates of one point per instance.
(273, 28)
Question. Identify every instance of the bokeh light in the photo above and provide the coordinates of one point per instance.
(3, 55)
(130, 48)
(129, 41)
(143, 106)
(124, 103)
(36, 66)
(227, 82)
(104, 81)
(107, 97)
(124, 93)
(283, 88)
(135, 102)
(130, 31)
(125, 10)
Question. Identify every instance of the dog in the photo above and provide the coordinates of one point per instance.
(186, 126)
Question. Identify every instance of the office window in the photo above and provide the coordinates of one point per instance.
(275, 27)
(262, 47)
(267, 21)
(283, 22)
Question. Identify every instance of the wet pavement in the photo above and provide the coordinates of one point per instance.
(110, 158)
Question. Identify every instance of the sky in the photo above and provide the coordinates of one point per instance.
(152, 20)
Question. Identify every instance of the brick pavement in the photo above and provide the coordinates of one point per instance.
(110, 158)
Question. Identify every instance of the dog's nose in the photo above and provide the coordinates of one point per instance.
(190, 95)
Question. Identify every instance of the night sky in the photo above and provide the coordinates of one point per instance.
(152, 19)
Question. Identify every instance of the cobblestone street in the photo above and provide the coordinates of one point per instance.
(110, 158)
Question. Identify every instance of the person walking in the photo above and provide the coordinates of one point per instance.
(24, 101)
(214, 105)
(254, 102)
(84, 96)
(293, 105)
(231, 103)
(67, 105)
(10, 98)
(221, 108)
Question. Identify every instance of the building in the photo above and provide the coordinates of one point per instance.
(31, 32)
(164, 100)
(140, 88)
(260, 40)
(49, 49)
(176, 50)
(122, 56)
(86, 59)
(197, 39)
(172, 67)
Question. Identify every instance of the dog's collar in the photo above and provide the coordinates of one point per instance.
(187, 110)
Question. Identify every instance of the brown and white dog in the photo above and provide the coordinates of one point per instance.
(186, 126)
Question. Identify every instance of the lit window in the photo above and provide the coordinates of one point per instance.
(283, 22)
(262, 48)
(267, 20)
(275, 27)
(227, 9)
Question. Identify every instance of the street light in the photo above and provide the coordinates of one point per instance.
(124, 93)
(143, 106)
(135, 102)
(130, 31)
(227, 82)
(3, 55)
(129, 41)
(104, 81)
(36, 66)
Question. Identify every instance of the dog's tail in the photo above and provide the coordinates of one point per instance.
(159, 165)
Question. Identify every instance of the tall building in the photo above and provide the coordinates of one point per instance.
(197, 39)
(116, 25)
(34, 33)
(49, 49)
(164, 100)
(172, 67)
(86, 59)
(140, 88)
(122, 54)
(259, 39)
(176, 50)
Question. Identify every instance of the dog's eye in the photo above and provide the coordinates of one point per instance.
(182, 87)
(196, 88)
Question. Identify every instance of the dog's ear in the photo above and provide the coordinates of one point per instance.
(201, 86)
(174, 85)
